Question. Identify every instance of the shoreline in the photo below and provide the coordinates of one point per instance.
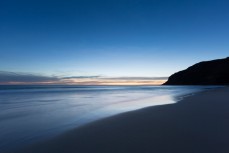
(195, 124)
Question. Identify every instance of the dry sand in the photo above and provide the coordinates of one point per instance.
(197, 124)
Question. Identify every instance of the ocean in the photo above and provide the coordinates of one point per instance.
(31, 113)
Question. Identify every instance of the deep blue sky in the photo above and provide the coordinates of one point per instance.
(112, 38)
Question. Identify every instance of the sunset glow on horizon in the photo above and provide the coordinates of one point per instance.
(113, 82)
(93, 81)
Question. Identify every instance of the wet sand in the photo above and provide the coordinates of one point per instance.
(196, 124)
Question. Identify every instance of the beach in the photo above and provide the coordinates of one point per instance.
(196, 124)
(32, 114)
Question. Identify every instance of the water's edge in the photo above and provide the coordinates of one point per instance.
(32, 114)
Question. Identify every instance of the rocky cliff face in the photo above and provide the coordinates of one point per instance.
(214, 72)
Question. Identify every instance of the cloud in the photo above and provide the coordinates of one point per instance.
(82, 77)
(136, 78)
(27, 78)
(11, 77)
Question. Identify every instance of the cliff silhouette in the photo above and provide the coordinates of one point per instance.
(215, 72)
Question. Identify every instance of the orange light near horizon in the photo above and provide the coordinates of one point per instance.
(112, 82)
(91, 81)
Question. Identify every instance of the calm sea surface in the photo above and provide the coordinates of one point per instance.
(35, 113)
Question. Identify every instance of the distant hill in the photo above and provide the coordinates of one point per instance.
(214, 72)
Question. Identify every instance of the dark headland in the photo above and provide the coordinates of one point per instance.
(215, 72)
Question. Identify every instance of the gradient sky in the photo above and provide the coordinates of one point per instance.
(110, 38)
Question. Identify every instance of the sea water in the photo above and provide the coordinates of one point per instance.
(29, 114)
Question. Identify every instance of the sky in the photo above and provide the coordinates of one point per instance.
(108, 41)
